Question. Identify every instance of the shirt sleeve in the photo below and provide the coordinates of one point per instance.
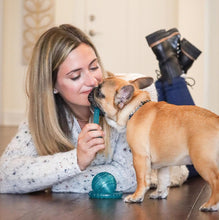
(120, 166)
(22, 170)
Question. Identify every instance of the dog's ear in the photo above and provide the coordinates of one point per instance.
(142, 82)
(124, 95)
(109, 74)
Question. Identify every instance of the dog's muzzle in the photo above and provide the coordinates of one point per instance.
(93, 103)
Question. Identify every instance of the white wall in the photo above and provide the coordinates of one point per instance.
(192, 16)
(1, 58)
(13, 70)
(203, 31)
(212, 56)
(120, 38)
(197, 21)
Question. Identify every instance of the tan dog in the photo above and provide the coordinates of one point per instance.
(161, 135)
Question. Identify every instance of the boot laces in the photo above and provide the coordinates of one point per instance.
(190, 81)
(158, 74)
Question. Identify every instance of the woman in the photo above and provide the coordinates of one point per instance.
(59, 147)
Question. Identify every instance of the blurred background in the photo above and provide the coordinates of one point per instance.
(118, 29)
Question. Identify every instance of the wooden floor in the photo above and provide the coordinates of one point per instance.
(182, 203)
(6, 134)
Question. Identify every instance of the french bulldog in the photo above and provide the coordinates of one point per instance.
(161, 135)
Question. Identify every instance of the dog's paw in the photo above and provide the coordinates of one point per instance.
(159, 194)
(178, 175)
(134, 199)
(207, 208)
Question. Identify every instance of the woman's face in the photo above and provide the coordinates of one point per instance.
(78, 75)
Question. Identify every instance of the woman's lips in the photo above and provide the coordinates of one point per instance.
(87, 92)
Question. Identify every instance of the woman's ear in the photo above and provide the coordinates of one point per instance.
(142, 82)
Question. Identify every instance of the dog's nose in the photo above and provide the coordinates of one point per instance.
(92, 102)
(91, 96)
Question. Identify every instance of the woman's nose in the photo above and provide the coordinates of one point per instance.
(90, 80)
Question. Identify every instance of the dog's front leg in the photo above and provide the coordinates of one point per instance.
(142, 167)
(163, 184)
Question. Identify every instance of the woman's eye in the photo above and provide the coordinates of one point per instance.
(75, 78)
(94, 68)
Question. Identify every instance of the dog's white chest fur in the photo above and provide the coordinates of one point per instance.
(186, 160)
(113, 124)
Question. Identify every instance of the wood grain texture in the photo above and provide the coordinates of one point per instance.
(182, 203)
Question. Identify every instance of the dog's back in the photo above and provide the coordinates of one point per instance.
(174, 131)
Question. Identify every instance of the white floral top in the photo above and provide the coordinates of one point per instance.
(22, 170)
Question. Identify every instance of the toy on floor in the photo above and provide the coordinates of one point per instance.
(104, 186)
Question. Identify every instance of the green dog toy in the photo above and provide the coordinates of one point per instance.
(96, 115)
(104, 186)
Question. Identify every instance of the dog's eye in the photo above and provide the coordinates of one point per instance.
(99, 94)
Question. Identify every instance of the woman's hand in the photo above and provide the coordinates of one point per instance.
(90, 141)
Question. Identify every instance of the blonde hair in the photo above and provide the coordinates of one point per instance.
(50, 118)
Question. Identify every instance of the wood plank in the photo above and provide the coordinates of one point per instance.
(180, 204)
(6, 134)
(203, 197)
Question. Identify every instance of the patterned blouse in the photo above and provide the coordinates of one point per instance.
(22, 170)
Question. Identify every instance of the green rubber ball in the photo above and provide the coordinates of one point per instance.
(104, 183)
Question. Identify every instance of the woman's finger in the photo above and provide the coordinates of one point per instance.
(95, 141)
(91, 126)
(94, 150)
(91, 132)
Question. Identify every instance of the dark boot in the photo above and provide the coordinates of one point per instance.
(188, 53)
(161, 44)
(174, 39)
(172, 35)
